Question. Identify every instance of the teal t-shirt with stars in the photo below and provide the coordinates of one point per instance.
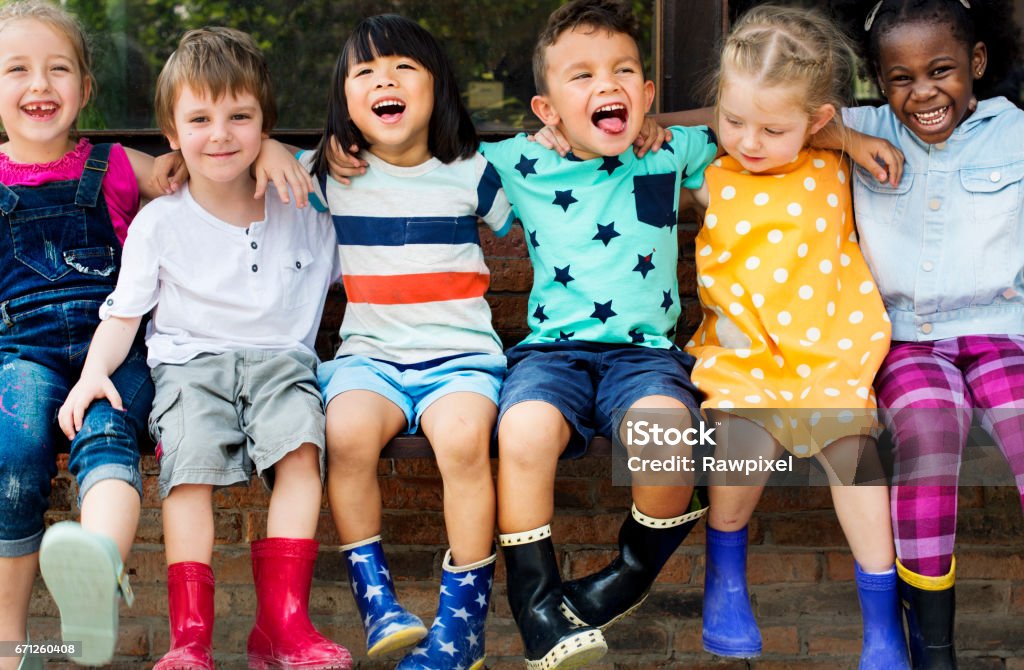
(602, 236)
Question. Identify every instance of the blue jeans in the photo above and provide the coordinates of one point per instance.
(43, 342)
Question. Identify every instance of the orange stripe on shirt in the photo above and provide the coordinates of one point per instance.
(415, 288)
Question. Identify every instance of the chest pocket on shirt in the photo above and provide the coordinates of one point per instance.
(655, 199)
(296, 289)
(995, 190)
(884, 205)
(430, 241)
(53, 241)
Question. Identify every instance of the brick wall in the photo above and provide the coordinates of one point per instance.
(800, 568)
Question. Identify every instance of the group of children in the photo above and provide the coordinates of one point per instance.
(908, 295)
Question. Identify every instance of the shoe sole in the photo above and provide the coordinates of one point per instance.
(575, 651)
(726, 652)
(569, 614)
(261, 664)
(81, 575)
(397, 641)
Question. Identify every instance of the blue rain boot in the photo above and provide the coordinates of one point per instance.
(884, 647)
(730, 629)
(929, 604)
(456, 638)
(389, 627)
(645, 544)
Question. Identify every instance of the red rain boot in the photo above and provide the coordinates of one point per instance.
(190, 609)
(283, 637)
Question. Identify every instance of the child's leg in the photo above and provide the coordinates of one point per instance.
(459, 427)
(531, 437)
(295, 500)
(359, 424)
(188, 524)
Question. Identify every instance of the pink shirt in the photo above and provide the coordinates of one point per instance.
(120, 188)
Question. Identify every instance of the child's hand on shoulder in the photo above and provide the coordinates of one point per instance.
(877, 156)
(169, 172)
(344, 164)
(277, 163)
(651, 137)
(90, 387)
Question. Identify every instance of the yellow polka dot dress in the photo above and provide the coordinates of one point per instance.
(792, 317)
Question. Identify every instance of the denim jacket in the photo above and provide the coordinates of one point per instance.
(946, 246)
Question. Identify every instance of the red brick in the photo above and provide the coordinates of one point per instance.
(837, 639)
(839, 566)
(807, 530)
(780, 639)
(511, 274)
(764, 567)
(574, 493)
(990, 564)
(419, 493)
(513, 245)
(586, 529)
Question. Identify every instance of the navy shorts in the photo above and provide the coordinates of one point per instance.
(593, 384)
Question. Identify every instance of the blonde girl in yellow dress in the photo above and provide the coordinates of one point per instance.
(793, 325)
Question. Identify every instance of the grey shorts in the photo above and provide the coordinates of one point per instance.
(220, 417)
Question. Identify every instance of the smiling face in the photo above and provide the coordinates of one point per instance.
(219, 139)
(391, 99)
(596, 91)
(928, 77)
(42, 90)
(764, 127)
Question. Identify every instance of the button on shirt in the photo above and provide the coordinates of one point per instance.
(217, 287)
(946, 245)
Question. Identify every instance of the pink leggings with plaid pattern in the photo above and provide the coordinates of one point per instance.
(983, 373)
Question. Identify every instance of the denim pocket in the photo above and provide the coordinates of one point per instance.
(884, 205)
(42, 236)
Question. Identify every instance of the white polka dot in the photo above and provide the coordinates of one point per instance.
(707, 250)
(866, 287)
(775, 236)
(818, 163)
(852, 382)
(842, 177)
(757, 373)
(801, 251)
(863, 392)
(743, 353)
(710, 362)
(752, 398)
(806, 292)
(768, 392)
(806, 343)
(813, 334)
(780, 275)
(724, 391)
(717, 162)
(761, 199)
(724, 257)
(825, 266)
(710, 220)
(786, 395)
(865, 357)
(753, 262)
(758, 300)
(845, 344)
(853, 237)
(775, 338)
(726, 404)
(820, 224)
(785, 318)
(801, 450)
(804, 371)
(846, 416)
(856, 316)
(806, 392)
(728, 193)
(885, 317)
(830, 309)
(794, 209)
(878, 336)
(690, 344)
(810, 184)
(779, 360)
(707, 281)
(844, 260)
(743, 227)
(777, 420)
(737, 290)
(794, 423)
(832, 393)
(815, 418)
(833, 200)
(736, 309)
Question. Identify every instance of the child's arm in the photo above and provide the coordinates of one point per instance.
(652, 136)
(110, 346)
(344, 165)
(877, 156)
(156, 176)
(277, 163)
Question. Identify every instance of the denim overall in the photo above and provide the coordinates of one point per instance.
(60, 258)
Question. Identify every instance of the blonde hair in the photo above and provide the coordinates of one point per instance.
(216, 60)
(789, 46)
(61, 22)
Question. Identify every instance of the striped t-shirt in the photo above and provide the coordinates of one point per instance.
(412, 266)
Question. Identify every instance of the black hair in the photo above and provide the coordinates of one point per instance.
(451, 133)
(988, 21)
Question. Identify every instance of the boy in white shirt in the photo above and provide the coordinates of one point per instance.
(237, 286)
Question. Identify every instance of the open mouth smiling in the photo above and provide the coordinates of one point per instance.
(389, 109)
(933, 118)
(40, 110)
(610, 118)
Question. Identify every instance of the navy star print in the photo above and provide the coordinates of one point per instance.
(526, 166)
(610, 163)
(710, 134)
(563, 199)
(637, 336)
(667, 300)
(606, 233)
(539, 314)
(603, 311)
(533, 239)
(564, 336)
(644, 264)
(562, 275)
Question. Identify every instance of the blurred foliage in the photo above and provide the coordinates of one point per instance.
(486, 40)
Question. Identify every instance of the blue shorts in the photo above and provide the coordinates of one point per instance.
(413, 387)
(592, 384)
